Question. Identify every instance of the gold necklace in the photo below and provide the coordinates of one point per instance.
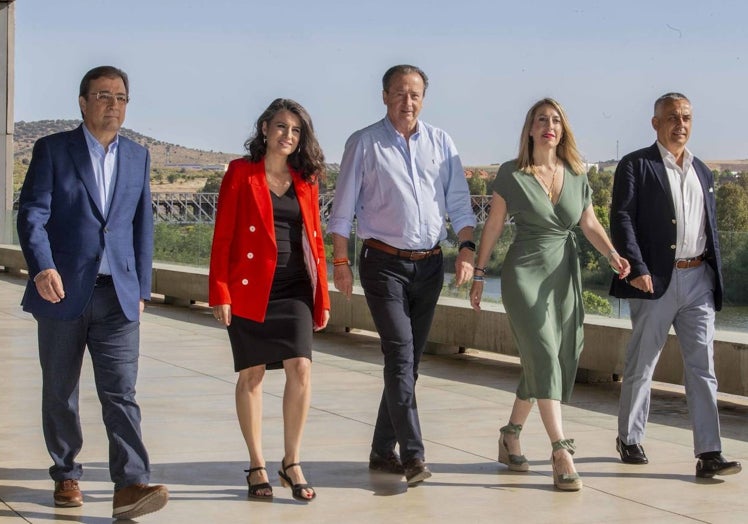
(276, 185)
(548, 190)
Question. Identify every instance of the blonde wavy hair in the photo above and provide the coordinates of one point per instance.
(566, 149)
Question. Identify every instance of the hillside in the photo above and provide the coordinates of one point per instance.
(163, 154)
(728, 165)
(179, 168)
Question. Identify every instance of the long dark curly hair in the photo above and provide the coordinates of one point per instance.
(308, 158)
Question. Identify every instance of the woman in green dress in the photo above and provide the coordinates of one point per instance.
(546, 194)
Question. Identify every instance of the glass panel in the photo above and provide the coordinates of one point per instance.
(183, 233)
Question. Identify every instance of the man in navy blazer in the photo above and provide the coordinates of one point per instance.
(85, 225)
(663, 221)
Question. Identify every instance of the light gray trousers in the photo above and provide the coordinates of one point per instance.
(688, 306)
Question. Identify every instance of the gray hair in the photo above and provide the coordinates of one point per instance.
(668, 97)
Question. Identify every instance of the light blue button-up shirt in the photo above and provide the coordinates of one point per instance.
(104, 163)
(401, 193)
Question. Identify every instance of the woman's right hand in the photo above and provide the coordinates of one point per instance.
(476, 292)
(222, 313)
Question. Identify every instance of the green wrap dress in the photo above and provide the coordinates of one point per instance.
(541, 283)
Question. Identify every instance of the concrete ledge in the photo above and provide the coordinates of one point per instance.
(180, 285)
(11, 258)
(457, 326)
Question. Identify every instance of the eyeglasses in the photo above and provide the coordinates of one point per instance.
(107, 98)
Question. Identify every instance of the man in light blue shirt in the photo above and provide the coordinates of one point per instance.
(104, 164)
(400, 178)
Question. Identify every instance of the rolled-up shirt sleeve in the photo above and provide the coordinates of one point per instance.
(347, 188)
(457, 192)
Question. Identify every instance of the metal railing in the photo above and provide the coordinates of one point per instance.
(200, 208)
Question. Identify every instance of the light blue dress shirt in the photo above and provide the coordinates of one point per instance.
(401, 195)
(104, 163)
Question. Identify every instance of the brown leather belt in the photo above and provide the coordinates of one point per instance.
(410, 254)
(686, 263)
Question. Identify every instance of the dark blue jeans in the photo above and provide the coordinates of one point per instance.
(402, 297)
(113, 342)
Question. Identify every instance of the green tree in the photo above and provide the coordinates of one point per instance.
(601, 183)
(732, 208)
(742, 179)
(477, 184)
(734, 247)
(185, 244)
(725, 177)
(330, 179)
(212, 184)
(603, 216)
(595, 304)
(19, 173)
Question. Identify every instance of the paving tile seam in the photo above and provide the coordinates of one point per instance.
(184, 368)
(655, 508)
(13, 511)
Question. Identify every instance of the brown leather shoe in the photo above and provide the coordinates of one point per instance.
(68, 494)
(389, 463)
(138, 499)
(416, 471)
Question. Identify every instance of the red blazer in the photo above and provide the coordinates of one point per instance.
(244, 252)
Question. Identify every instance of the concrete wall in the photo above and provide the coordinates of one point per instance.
(456, 325)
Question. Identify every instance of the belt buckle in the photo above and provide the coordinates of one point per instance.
(419, 254)
(688, 263)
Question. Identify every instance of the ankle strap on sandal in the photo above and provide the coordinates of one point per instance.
(514, 429)
(567, 444)
(252, 470)
(286, 467)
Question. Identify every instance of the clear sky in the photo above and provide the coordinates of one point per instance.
(202, 71)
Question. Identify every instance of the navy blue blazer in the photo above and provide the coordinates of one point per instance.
(642, 223)
(61, 225)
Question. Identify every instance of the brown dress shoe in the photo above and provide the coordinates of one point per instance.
(389, 463)
(416, 471)
(138, 499)
(68, 494)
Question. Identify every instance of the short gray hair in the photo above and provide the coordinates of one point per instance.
(667, 97)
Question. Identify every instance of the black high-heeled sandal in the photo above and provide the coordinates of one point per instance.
(256, 490)
(296, 489)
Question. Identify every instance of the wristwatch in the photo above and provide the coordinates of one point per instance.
(468, 244)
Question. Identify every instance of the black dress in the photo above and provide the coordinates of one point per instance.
(287, 329)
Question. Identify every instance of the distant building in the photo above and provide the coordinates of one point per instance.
(588, 166)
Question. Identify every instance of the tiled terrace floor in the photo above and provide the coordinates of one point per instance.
(186, 393)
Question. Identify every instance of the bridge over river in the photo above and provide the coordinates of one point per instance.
(200, 208)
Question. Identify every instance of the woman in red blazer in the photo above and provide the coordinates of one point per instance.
(268, 279)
